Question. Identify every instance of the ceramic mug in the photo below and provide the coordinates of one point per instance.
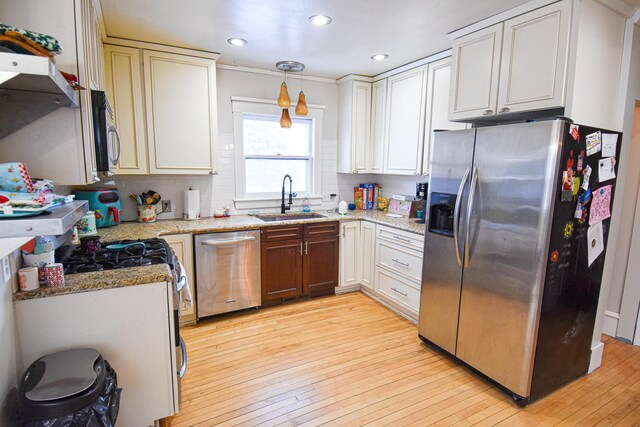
(87, 224)
(29, 278)
(146, 213)
(39, 261)
(54, 275)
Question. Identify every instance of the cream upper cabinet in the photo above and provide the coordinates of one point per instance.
(534, 58)
(180, 99)
(93, 42)
(378, 109)
(125, 90)
(404, 133)
(350, 264)
(367, 252)
(439, 77)
(475, 73)
(354, 98)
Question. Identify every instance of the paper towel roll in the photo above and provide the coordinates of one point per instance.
(191, 204)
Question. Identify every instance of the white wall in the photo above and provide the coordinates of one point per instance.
(9, 356)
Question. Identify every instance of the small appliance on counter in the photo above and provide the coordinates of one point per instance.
(422, 189)
(105, 202)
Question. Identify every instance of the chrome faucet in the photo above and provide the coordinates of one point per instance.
(284, 208)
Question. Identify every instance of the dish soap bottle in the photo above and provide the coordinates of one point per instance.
(306, 205)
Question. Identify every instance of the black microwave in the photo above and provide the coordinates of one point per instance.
(105, 134)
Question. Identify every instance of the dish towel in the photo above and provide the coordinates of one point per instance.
(183, 287)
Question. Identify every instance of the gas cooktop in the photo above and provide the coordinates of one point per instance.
(120, 254)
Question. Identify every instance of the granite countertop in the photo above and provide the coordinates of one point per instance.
(99, 280)
(136, 230)
(94, 281)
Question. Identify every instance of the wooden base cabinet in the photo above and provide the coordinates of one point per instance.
(299, 260)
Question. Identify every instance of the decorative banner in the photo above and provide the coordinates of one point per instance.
(594, 143)
(600, 205)
(595, 241)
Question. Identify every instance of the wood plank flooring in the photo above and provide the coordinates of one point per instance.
(347, 360)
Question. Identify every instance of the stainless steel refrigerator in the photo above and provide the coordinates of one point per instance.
(507, 287)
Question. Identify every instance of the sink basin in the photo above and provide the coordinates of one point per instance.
(289, 217)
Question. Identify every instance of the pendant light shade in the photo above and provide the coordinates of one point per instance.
(283, 100)
(301, 107)
(285, 119)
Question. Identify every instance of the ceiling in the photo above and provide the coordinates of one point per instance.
(279, 30)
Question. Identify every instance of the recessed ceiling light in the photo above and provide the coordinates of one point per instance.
(379, 56)
(236, 41)
(320, 20)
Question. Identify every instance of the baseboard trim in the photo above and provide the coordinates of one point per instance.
(388, 305)
(610, 323)
(596, 357)
(347, 289)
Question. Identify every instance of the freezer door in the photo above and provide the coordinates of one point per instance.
(227, 271)
(442, 270)
(511, 198)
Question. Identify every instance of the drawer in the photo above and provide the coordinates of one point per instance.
(404, 238)
(398, 259)
(317, 229)
(398, 289)
(282, 232)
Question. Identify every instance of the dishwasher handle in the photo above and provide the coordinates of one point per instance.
(227, 242)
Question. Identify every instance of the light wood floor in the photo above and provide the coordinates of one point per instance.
(347, 360)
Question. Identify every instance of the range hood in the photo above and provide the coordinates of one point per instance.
(30, 87)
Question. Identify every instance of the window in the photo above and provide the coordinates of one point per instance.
(270, 152)
(264, 153)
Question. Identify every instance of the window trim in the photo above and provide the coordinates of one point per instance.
(241, 106)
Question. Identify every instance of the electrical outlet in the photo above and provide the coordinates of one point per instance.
(166, 206)
(326, 197)
(6, 271)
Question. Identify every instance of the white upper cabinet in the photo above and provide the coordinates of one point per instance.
(378, 109)
(476, 63)
(439, 76)
(354, 122)
(534, 57)
(180, 99)
(404, 132)
(125, 90)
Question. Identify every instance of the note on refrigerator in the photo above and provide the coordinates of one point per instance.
(609, 143)
(595, 241)
(594, 143)
(606, 169)
(600, 204)
(586, 174)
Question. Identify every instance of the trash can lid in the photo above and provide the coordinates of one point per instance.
(62, 374)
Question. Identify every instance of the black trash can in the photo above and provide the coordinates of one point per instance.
(73, 388)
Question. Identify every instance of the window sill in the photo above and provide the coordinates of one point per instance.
(273, 202)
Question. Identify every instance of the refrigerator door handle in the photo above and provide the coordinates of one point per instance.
(456, 215)
(472, 194)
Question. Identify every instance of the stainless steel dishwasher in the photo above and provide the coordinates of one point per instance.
(227, 272)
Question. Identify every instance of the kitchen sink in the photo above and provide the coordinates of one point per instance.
(289, 217)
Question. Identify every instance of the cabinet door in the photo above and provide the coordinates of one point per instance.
(180, 93)
(320, 265)
(349, 253)
(378, 108)
(438, 82)
(125, 91)
(475, 73)
(360, 126)
(405, 122)
(281, 269)
(182, 245)
(534, 59)
(367, 250)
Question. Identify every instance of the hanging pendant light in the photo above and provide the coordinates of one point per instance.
(285, 119)
(284, 101)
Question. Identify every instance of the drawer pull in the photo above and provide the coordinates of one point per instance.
(401, 293)
(487, 112)
(229, 301)
(403, 239)
(406, 264)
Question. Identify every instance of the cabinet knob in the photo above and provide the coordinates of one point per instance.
(504, 110)
(212, 172)
(355, 171)
(416, 173)
(487, 112)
